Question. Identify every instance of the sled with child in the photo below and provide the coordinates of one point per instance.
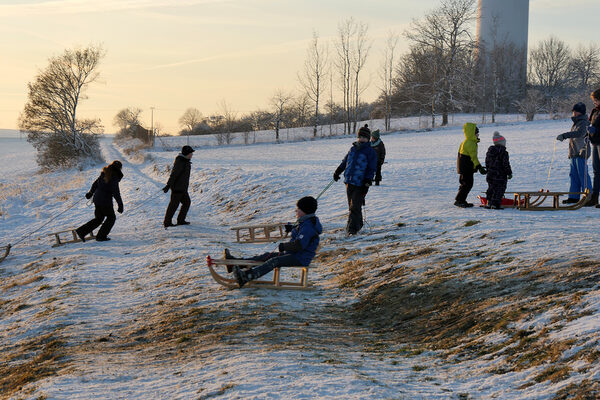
(542, 200)
(68, 236)
(275, 283)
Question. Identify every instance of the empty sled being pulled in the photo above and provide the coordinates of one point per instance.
(542, 200)
(275, 283)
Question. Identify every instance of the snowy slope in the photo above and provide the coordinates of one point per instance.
(139, 317)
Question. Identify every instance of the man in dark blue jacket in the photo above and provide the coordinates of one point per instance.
(300, 250)
(179, 181)
(359, 168)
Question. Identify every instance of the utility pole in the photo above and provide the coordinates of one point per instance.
(152, 124)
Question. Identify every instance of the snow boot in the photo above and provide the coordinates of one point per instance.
(168, 224)
(102, 239)
(593, 201)
(227, 256)
(183, 223)
(240, 276)
(80, 235)
(463, 204)
(570, 200)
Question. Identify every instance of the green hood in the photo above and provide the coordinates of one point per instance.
(469, 130)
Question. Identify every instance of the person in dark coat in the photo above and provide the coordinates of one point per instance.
(594, 132)
(103, 190)
(379, 148)
(579, 152)
(359, 167)
(467, 163)
(498, 171)
(179, 181)
(300, 250)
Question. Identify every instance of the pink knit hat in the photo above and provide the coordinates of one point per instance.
(498, 139)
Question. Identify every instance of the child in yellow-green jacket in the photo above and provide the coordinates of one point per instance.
(467, 163)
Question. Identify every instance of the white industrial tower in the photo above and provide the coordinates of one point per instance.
(502, 23)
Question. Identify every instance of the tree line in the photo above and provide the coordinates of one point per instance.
(444, 71)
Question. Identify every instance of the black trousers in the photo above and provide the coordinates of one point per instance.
(177, 198)
(102, 213)
(466, 184)
(271, 261)
(496, 189)
(378, 173)
(356, 199)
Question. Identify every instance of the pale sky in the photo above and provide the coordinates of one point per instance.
(172, 55)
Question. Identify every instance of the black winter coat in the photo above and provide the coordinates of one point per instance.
(380, 150)
(105, 191)
(497, 163)
(595, 122)
(179, 181)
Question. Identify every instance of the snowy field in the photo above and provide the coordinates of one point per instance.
(429, 301)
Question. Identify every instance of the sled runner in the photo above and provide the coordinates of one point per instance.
(540, 201)
(275, 283)
(60, 240)
(5, 250)
(260, 233)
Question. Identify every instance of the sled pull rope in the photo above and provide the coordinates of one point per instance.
(144, 202)
(552, 162)
(324, 190)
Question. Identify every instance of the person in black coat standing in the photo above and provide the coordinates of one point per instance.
(104, 189)
(497, 163)
(379, 148)
(179, 181)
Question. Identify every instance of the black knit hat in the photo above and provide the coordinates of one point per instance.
(307, 204)
(364, 131)
(185, 150)
(579, 107)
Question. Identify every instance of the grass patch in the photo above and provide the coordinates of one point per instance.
(471, 222)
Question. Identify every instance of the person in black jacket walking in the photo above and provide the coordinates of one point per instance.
(104, 189)
(594, 132)
(179, 182)
(379, 148)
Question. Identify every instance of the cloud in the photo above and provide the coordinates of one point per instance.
(87, 6)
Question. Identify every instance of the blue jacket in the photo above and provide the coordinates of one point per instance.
(305, 239)
(359, 165)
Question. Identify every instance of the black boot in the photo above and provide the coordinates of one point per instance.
(593, 201)
(570, 200)
(241, 276)
(227, 256)
(80, 234)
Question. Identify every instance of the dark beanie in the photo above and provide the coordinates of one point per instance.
(364, 131)
(307, 204)
(185, 150)
(579, 107)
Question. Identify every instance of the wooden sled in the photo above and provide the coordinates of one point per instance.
(5, 250)
(60, 240)
(264, 233)
(537, 201)
(275, 283)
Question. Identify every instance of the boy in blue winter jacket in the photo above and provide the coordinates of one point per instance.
(300, 250)
(359, 168)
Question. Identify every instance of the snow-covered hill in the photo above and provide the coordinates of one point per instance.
(429, 301)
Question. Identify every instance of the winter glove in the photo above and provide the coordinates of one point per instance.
(561, 137)
(368, 183)
(482, 170)
(336, 176)
(120, 210)
(288, 228)
(510, 176)
(88, 195)
(166, 188)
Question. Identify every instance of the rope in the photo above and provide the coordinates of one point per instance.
(48, 221)
(144, 202)
(551, 162)
(324, 190)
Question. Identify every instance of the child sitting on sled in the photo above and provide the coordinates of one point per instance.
(300, 250)
(498, 171)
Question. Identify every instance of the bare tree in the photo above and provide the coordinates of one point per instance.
(446, 32)
(311, 78)
(549, 64)
(532, 104)
(585, 66)
(128, 119)
(50, 114)
(190, 119)
(279, 102)
(352, 47)
(387, 76)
